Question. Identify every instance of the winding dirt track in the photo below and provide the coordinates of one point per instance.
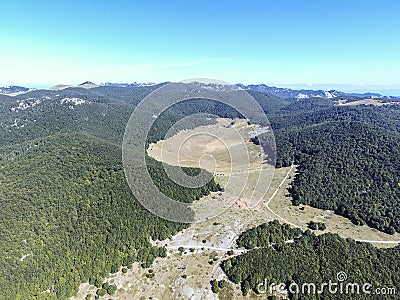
(239, 251)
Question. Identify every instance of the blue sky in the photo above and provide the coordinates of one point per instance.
(348, 44)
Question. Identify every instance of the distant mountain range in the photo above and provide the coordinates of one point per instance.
(301, 94)
(289, 93)
(84, 85)
(13, 90)
(134, 84)
(276, 91)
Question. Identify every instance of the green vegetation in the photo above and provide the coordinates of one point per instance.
(267, 234)
(316, 225)
(351, 168)
(314, 259)
(292, 117)
(66, 202)
(230, 252)
(217, 286)
(68, 215)
(222, 284)
(111, 289)
(101, 292)
(347, 157)
(150, 275)
(214, 286)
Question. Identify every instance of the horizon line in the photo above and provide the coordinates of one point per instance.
(350, 88)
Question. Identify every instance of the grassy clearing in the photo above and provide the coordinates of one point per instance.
(186, 275)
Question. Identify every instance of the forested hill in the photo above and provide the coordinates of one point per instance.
(42, 112)
(312, 259)
(351, 168)
(67, 214)
(347, 157)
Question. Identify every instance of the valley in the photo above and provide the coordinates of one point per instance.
(214, 150)
(73, 199)
(195, 253)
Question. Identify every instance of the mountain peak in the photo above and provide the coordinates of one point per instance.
(13, 90)
(60, 87)
(86, 82)
(88, 85)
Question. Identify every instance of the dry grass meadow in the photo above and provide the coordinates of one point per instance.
(186, 275)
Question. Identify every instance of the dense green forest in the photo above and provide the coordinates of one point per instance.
(310, 113)
(348, 162)
(68, 215)
(347, 157)
(312, 259)
(351, 168)
(267, 234)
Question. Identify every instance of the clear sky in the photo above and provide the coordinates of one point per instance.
(350, 44)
